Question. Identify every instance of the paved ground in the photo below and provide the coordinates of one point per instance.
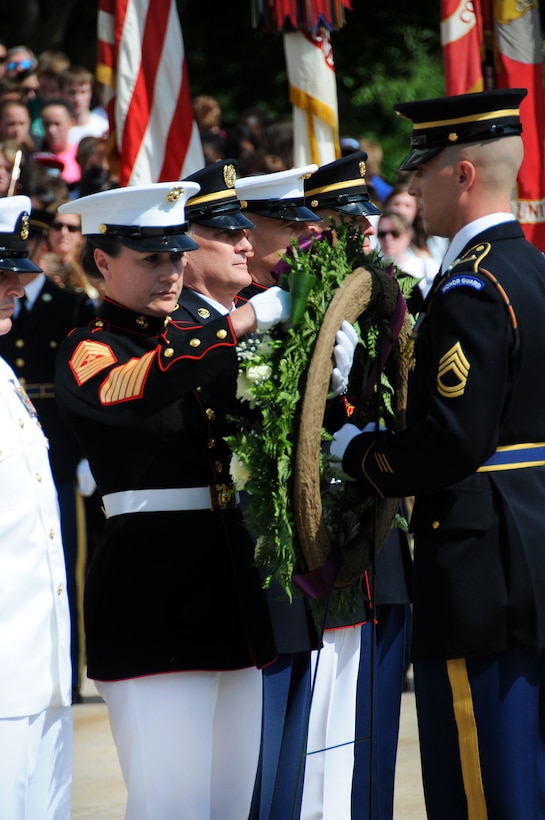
(99, 791)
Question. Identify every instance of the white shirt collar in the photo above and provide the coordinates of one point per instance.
(466, 234)
(216, 305)
(33, 288)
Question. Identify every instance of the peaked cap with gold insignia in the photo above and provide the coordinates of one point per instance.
(147, 218)
(14, 232)
(217, 204)
(40, 222)
(341, 185)
(444, 121)
(280, 195)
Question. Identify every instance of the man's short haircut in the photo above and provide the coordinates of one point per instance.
(76, 75)
(62, 101)
(52, 62)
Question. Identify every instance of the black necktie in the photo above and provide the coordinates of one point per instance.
(22, 313)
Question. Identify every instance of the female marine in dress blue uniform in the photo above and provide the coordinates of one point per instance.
(176, 622)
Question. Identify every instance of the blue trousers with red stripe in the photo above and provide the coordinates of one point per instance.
(482, 736)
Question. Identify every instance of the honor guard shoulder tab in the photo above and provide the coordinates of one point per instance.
(476, 277)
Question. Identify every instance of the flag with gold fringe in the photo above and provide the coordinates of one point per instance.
(497, 44)
(306, 26)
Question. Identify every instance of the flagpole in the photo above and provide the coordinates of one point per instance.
(15, 173)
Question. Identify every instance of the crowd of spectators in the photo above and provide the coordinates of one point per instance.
(54, 139)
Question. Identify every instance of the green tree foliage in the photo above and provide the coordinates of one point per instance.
(406, 65)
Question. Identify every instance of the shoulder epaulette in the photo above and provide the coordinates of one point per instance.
(458, 275)
(99, 324)
(472, 257)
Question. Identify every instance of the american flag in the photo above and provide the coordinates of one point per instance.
(142, 70)
(497, 44)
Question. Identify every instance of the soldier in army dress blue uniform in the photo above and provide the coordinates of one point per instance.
(473, 454)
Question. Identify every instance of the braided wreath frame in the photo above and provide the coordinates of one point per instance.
(359, 292)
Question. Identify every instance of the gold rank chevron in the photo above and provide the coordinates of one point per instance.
(453, 362)
(127, 381)
(89, 358)
(382, 463)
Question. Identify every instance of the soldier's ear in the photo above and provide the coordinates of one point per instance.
(466, 173)
(102, 261)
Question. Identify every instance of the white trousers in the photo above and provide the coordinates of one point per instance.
(327, 788)
(36, 766)
(187, 742)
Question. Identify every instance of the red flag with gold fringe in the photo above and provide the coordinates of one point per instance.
(519, 64)
(462, 45)
(497, 44)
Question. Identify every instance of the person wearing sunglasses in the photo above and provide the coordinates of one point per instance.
(404, 203)
(19, 61)
(65, 240)
(63, 246)
(21, 66)
(394, 236)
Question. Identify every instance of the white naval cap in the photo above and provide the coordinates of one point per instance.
(14, 232)
(280, 195)
(142, 217)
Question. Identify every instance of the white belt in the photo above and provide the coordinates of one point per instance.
(176, 499)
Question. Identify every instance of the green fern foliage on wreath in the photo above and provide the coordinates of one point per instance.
(271, 382)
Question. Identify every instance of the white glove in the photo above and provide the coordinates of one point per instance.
(271, 307)
(346, 342)
(86, 484)
(371, 427)
(342, 438)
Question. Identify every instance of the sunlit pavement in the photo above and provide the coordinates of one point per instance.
(99, 792)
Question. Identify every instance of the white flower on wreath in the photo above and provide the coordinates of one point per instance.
(244, 389)
(264, 348)
(259, 373)
(254, 345)
(239, 472)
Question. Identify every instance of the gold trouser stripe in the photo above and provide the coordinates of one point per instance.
(467, 739)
